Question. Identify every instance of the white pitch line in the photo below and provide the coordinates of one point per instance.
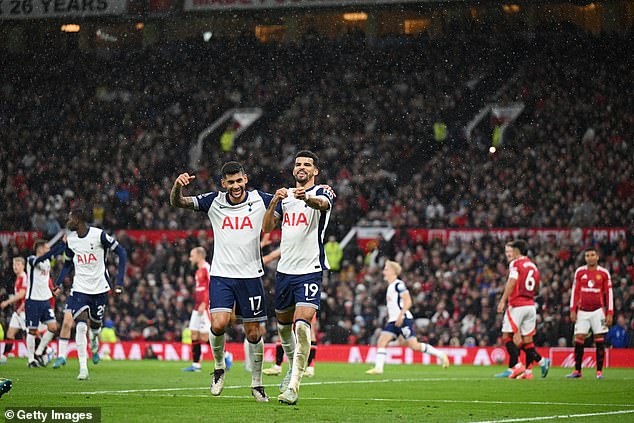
(561, 416)
(332, 382)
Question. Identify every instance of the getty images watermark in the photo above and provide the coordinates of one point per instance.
(53, 414)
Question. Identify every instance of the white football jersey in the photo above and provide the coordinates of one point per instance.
(394, 301)
(38, 276)
(237, 229)
(88, 254)
(303, 231)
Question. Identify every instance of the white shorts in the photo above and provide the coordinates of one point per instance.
(200, 323)
(18, 321)
(520, 319)
(587, 320)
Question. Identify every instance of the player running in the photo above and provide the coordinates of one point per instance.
(38, 301)
(86, 250)
(591, 294)
(304, 212)
(200, 321)
(521, 313)
(236, 267)
(400, 320)
(18, 319)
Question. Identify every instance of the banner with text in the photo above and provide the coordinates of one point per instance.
(198, 5)
(42, 9)
(362, 354)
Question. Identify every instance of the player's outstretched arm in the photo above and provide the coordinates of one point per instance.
(176, 195)
(57, 250)
(315, 202)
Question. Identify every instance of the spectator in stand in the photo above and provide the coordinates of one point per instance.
(619, 335)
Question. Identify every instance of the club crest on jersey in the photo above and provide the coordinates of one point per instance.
(295, 219)
(236, 223)
(86, 258)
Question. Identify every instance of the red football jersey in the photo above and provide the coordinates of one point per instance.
(527, 275)
(591, 290)
(202, 285)
(20, 284)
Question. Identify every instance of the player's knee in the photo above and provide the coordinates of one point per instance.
(252, 332)
(285, 318)
(219, 322)
(253, 336)
(52, 327)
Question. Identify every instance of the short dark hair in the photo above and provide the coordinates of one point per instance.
(79, 213)
(38, 243)
(231, 168)
(310, 155)
(520, 244)
(587, 250)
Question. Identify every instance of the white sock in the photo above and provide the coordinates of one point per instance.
(46, 338)
(380, 358)
(255, 354)
(30, 346)
(247, 356)
(288, 341)
(302, 349)
(62, 347)
(81, 341)
(428, 349)
(217, 343)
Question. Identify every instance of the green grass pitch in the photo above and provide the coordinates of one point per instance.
(156, 391)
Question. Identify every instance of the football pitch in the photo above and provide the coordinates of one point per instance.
(157, 391)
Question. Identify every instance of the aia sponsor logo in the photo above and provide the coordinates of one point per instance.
(236, 223)
(86, 258)
(295, 219)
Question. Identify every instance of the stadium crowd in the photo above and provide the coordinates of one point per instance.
(118, 140)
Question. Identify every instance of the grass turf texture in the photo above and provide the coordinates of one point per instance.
(155, 391)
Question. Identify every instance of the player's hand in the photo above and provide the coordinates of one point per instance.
(573, 316)
(500, 307)
(118, 290)
(3, 304)
(57, 290)
(399, 321)
(184, 179)
(329, 189)
(281, 194)
(609, 319)
(300, 194)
